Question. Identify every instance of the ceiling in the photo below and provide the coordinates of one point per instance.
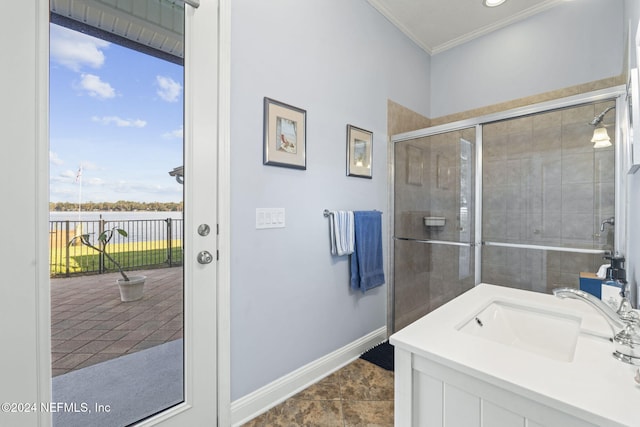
(438, 25)
(434, 25)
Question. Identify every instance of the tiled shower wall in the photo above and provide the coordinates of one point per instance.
(543, 184)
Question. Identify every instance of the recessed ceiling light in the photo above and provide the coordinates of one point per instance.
(492, 3)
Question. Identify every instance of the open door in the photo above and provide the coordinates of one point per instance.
(27, 362)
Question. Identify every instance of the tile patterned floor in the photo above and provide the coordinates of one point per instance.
(89, 323)
(358, 395)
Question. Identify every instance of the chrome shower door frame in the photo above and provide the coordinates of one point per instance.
(617, 93)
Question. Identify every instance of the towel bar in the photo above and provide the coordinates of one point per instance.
(326, 213)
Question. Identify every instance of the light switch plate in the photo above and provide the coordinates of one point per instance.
(270, 218)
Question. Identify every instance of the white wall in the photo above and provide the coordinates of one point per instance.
(340, 61)
(573, 43)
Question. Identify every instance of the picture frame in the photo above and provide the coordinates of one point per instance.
(359, 152)
(285, 140)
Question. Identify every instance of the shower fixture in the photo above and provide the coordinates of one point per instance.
(597, 119)
(600, 136)
(611, 221)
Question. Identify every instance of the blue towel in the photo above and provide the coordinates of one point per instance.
(366, 260)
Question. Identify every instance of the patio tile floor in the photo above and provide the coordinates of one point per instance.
(89, 323)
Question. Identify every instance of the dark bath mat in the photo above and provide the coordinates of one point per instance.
(381, 355)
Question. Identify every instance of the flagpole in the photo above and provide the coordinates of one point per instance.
(79, 179)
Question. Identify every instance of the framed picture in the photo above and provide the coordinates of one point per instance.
(359, 152)
(285, 141)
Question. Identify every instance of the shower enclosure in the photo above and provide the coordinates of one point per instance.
(521, 199)
(434, 230)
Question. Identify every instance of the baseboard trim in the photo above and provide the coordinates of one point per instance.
(265, 398)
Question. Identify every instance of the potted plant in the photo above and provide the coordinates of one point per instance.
(131, 287)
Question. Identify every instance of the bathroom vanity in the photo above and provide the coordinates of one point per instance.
(503, 357)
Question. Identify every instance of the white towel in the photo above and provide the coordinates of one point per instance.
(341, 232)
(602, 271)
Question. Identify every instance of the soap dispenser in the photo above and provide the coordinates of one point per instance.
(614, 287)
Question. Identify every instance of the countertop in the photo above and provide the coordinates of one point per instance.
(593, 386)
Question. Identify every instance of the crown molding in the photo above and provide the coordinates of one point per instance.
(433, 50)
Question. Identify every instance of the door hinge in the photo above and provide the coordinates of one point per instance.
(218, 229)
(217, 255)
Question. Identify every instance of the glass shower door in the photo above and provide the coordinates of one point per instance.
(434, 214)
(548, 195)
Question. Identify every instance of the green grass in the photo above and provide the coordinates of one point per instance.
(130, 256)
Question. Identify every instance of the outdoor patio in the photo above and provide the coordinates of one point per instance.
(89, 323)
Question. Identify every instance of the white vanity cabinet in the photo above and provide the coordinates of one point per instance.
(446, 378)
(429, 394)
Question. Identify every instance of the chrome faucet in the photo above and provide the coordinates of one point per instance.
(610, 221)
(624, 323)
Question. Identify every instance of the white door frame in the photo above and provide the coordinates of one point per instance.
(224, 214)
(25, 360)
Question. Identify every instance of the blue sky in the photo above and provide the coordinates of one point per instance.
(117, 114)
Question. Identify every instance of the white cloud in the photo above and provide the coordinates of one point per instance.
(168, 89)
(88, 165)
(137, 187)
(96, 87)
(58, 179)
(96, 181)
(174, 134)
(54, 159)
(68, 174)
(75, 50)
(63, 193)
(107, 120)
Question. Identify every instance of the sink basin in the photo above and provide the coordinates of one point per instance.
(546, 333)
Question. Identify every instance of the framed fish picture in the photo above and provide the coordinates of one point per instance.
(285, 141)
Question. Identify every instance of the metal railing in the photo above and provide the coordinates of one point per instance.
(149, 244)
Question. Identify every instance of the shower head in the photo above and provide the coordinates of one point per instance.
(600, 137)
(597, 119)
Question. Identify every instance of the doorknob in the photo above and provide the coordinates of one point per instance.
(205, 257)
(204, 229)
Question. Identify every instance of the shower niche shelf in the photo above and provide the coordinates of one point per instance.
(434, 221)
